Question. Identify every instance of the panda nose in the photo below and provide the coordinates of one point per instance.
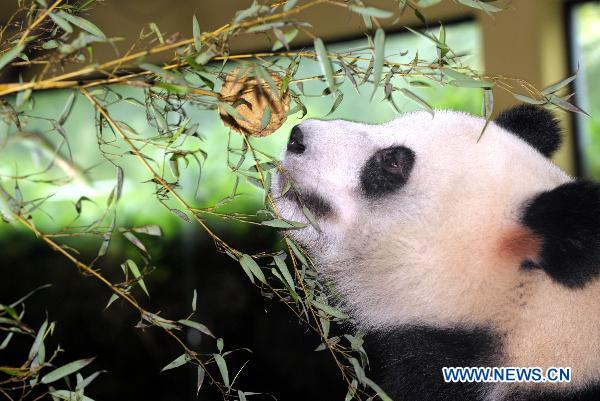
(296, 141)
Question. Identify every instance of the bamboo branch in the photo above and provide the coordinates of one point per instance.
(38, 21)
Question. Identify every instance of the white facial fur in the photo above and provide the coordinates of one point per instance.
(440, 250)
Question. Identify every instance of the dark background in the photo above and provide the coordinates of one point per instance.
(282, 363)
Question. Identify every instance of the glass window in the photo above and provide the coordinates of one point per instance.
(585, 36)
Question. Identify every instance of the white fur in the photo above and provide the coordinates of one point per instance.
(431, 253)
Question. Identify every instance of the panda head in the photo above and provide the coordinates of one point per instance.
(424, 220)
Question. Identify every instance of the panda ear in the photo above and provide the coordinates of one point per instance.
(567, 219)
(535, 125)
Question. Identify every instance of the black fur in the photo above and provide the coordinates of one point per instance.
(568, 220)
(535, 125)
(407, 362)
(591, 393)
(316, 204)
(379, 178)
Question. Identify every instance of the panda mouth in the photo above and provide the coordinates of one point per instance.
(318, 206)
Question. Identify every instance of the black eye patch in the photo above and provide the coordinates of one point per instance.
(386, 171)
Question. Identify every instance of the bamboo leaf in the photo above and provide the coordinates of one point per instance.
(133, 268)
(200, 380)
(196, 33)
(336, 103)
(311, 218)
(289, 4)
(563, 104)
(10, 55)
(67, 109)
(61, 22)
(66, 370)
(485, 6)
(82, 23)
(281, 223)
(150, 229)
(417, 99)
(249, 265)
(282, 266)
(222, 365)
(527, 99)
(198, 326)
(325, 64)
(177, 362)
(559, 85)
(379, 58)
(370, 11)
(330, 310)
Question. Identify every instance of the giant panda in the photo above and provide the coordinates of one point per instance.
(453, 248)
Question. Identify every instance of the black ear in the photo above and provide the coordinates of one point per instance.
(535, 125)
(567, 219)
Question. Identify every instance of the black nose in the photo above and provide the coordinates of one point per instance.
(296, 142)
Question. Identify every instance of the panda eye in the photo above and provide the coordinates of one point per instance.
(391, 160)
(386, 171)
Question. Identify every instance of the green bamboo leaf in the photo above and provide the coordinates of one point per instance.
(311, 218)
(429, 37)
(112, 299)
(527, 99)
(154, 28)
(282, 266)
(325, 64)
(380, 393)
(133, 268)
(66, 370)
(266, 117)
(330, 310)
(222, 365)
(360, 373)
(69, 395)
(563, 104)
(82, 23)
(149, 229)
(229, 109)
(10, 55)
(67, 109)
(281, 223)
(336, 103)
(200, 380)
(250, 266)
(427, 3)
(194, 300)
(61, 22)
(471, 83)
(198, 326)
(559, 85)
(370, 11)
(480, 5)
(177, 362)
(284, 39)
(86, 382)
(196, 33)
(417, 99)
(289, 5)
(37, 348)
(135, 241)
(297, 252)
(378, 59)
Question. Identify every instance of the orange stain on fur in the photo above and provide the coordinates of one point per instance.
(520, 243)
